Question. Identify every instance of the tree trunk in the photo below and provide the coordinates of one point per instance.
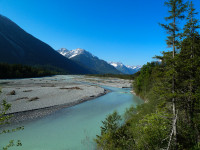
(173, 83)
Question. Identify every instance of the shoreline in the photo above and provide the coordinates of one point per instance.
(22, 116)
(33, 94)
(34, 98)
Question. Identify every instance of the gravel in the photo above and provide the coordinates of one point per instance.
(38, 93)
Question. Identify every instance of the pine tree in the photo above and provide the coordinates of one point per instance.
(189, 60)
(190, 29)
(176, 9)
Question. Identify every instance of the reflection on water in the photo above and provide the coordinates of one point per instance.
(72, 128)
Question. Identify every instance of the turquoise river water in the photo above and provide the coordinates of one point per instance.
(72, 128)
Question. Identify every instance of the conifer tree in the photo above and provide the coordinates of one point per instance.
(176, 9)
(191, 34)
(190, 29)
(189, 60)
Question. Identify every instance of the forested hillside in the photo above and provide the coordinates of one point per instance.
(169, 118)
(9, 71)
(121, 76)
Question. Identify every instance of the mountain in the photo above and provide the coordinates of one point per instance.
(19, 47)
(134, 69)
(125, 69)
(85, 58)
(119, 66)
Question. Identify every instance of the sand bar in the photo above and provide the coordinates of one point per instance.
(30, 94)
(36, 97)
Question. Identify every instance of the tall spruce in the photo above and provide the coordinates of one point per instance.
(149, 126)
(190, 29)
(189, 64)
(191, 34)
(176, 9)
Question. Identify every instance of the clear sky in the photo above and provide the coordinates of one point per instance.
(114, 30)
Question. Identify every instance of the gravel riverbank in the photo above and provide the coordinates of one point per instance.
(37, 97)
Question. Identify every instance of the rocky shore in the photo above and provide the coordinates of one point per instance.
(41, 112)
(37, 97)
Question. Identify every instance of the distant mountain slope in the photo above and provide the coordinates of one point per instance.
(86, 58)
(134, 69)
(19, 47)
(119, 66)
(125, 69)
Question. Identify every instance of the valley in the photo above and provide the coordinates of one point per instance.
(64, 127)
(35, 97)
(100, 75)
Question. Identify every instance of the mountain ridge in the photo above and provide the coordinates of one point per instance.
(126, 69)
(19, 47)
(76, 54)
(89, 60)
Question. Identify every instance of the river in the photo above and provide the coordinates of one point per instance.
(72, 128)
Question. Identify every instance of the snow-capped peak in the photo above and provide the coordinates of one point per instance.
(75, 52)
(126, 69)
(115, 64)
(134, 67)
(63, 51)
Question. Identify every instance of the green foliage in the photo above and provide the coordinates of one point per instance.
(4, 107)
(21, 71)
(191, 26)
(4, 120)
(145, 128)
(121, 76)
(152, 131)
(150, 125)
(111, 123)
(129, 113)
(176, 9)
(12, 143)
(108, 138)
(144, 81)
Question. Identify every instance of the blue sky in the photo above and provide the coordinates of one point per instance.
(114, 30)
